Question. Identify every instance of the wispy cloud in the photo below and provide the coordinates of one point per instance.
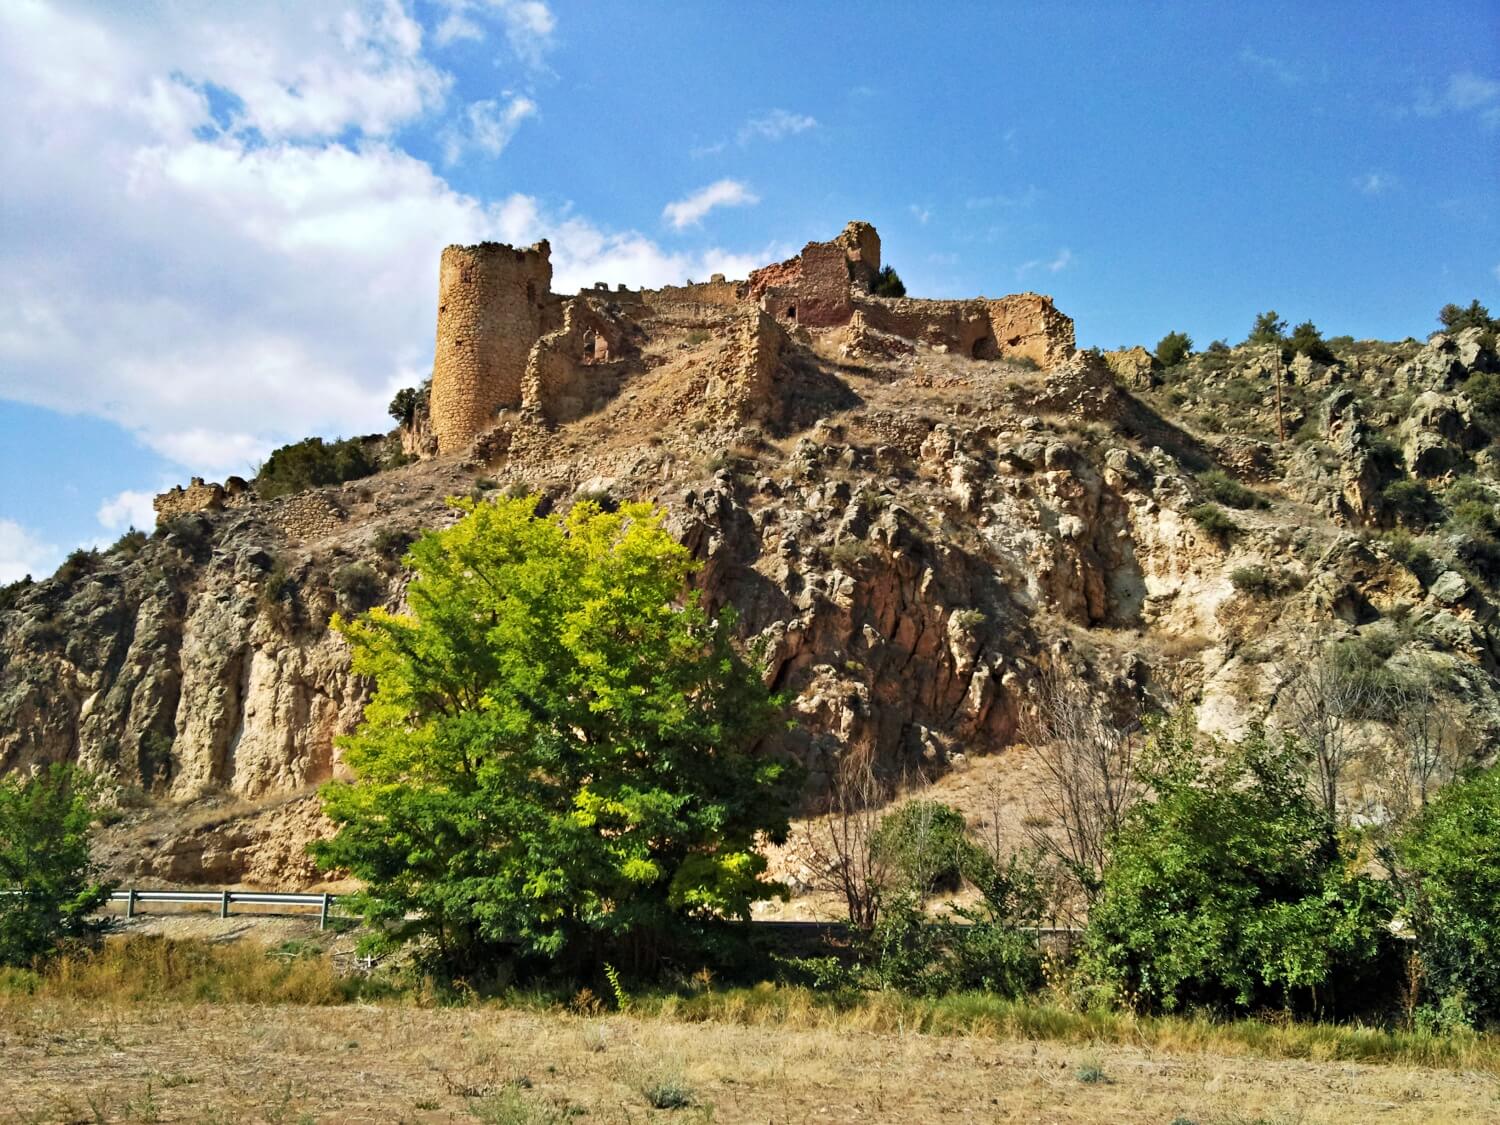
(1374, 183)
(921, 214)
(1496, 272)
(1056, 264)
(1003, 199)
(775, 126)
(689, 211)
(528, 25)
(1277, 68)
(1466, 92)
(487, 126)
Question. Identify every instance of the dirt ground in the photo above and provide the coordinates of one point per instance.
(66, 1062)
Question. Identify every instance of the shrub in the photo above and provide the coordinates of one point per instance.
(1224, 489)
(11, 592)
(392, 542)
(699, 336)
(130, 544)
(1268, 329)
(312, 463)
(79, 564)
(1411, 502)
(358, 586)
(1483, 387)
(1256, 581)
(1450, 872)
(1455, 318)
(985, 948)
(1173, 348)
(888, 283)
(1214, 520)
(1307, 340)
(849, 553)
(1412, 552)
(277, 597)
(188, 534)
(1228, 890)
(44, 856)
(925, 844)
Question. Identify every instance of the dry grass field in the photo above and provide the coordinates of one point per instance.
(210, 1024)
(75, 1061)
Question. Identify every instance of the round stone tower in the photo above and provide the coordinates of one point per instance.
(492, 301)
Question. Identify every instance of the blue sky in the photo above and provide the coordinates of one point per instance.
(220, 225)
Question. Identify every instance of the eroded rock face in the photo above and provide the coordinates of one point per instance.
(911, 538)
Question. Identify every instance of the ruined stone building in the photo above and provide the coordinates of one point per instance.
(505, 341)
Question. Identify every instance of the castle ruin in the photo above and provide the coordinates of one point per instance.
(505, 341)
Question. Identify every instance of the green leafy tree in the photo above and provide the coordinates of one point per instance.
(1173, 348)
(1307, 340)
(1455, 318)
(888, 283)
(925, 845)
(1225, 890)
(1268, 329)
(560, 756)
(1449, 862)
(44, 858)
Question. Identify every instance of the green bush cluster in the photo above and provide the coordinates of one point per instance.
(313, 463)
(1229, 890)
(1173, 348)
(1224, 489)
(1214, 520)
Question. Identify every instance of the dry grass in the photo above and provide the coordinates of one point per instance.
(79, 1061)
(154, 1029)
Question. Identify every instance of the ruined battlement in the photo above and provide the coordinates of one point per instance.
(506, 342)
(200, 497)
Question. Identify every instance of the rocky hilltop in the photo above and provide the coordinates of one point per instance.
(921, 505)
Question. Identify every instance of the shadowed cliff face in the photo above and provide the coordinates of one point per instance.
(911, 535)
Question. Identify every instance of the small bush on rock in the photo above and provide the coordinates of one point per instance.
(1214, 520)
(1173, 348)
(1224, 489)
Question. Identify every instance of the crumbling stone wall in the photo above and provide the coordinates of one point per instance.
(861, 246)
(309, 515)
(958, 326)
(1133, 367)
(1028, 325)
(717, 292)
(741, 382)
(201, 497)
(566, 373)
(494, 303)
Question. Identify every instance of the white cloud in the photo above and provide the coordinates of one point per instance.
(125, 510)
(217, 288)
(1277, 68)
(775, 126)
(1496, 272)
(528, 24)
(921, 214)
(1374, 183)
(1026, 198)
(22, 553)
(1466, 92)
(1056, 264)
(487, 126)
(721, 193)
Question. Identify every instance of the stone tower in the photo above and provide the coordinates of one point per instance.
(492, 305)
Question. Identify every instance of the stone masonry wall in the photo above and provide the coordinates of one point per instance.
(1028, 325)
(566, 373)
(200, 497)
(493, 304)
(861, 246)
(823, 291)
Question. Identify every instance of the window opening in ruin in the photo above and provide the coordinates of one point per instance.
(984, 348)
(791, 312)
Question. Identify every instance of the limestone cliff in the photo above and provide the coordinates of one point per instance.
(915, 530)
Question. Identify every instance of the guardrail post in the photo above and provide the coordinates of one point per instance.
(224, 905)
(130, 903)
(323, 915)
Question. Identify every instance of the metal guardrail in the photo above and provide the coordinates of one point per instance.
(133, 899)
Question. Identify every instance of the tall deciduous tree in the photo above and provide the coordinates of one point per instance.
(559, 758)
(45, 864)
